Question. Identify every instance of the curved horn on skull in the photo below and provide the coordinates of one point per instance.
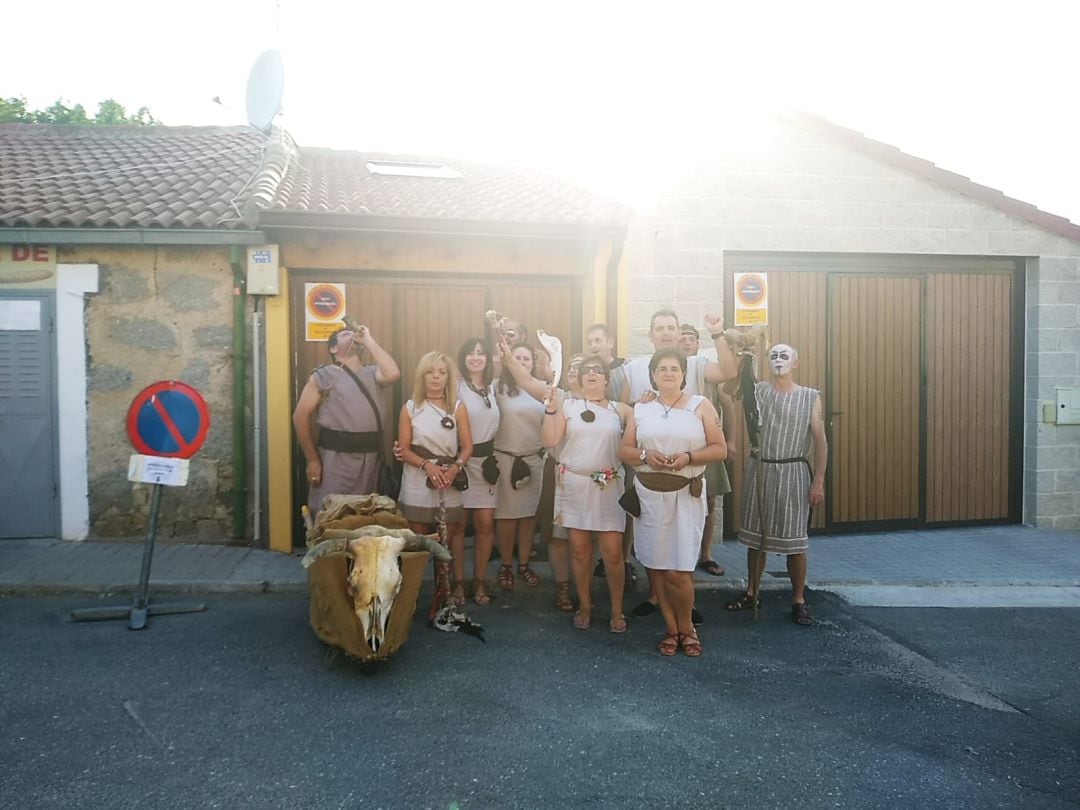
(336, 545)
(429, 544)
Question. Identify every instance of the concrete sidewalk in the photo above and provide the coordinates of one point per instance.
(999, 565)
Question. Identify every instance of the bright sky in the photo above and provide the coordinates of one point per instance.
(614, 95)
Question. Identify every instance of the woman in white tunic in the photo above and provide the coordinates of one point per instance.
(670, 440)
(478, 395)
(589, 482)
(518, 450)
(436, 445)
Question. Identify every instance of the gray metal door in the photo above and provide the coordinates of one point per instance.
(28, 471)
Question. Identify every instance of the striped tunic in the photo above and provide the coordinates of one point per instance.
(785, 434)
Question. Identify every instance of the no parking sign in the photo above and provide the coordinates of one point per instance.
(168, 419)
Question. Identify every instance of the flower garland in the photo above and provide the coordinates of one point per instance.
(605, 476)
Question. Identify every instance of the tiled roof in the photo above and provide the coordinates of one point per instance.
(331, 182)
(942, 177)
(126, 176)
(225, 177)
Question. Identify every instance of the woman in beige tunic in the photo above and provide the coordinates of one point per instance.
(436, 445)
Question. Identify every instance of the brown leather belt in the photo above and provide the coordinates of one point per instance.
(666, 482)
(348, 441)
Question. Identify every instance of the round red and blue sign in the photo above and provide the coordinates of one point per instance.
(169, 419)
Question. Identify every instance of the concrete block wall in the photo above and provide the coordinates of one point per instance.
(800, 192)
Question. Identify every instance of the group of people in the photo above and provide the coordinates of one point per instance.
(634, 450)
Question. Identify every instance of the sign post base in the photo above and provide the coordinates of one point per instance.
(140, 608)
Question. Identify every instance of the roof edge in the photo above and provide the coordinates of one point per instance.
(892, 155)
(443, 227)
(127, 236)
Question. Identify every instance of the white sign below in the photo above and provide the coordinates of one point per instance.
(172, 472)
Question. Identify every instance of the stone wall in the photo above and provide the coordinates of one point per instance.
(162, 313)
(799, 192)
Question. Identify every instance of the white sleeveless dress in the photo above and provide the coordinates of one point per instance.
(588, 447)
(417, 501)
(483, 421)
(667, 536)
(518, 435)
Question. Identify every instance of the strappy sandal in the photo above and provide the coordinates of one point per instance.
(505, 577)
(582, 619)
(690, 644)
(457, 595)
(617, 624)
(562, 597)
(532, 579)
(668, 645)
(801, 615)
(744, 602)
(480, 594)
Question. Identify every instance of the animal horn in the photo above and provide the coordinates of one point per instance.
(335, 545)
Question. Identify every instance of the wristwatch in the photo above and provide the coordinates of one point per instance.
(642, 455)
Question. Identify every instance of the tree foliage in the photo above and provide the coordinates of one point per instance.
(14, 111)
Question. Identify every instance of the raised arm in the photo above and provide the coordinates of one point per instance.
(553, 428)
(537, 389)
(725, 368)
(386, 370)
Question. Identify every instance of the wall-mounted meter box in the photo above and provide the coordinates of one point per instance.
(1068, 406)
(263, 276)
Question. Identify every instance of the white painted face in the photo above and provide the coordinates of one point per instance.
(782, 359)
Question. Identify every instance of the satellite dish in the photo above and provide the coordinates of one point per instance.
(266, 82)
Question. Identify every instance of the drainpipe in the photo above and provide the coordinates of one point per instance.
(239, 403)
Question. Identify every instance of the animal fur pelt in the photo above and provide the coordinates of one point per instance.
(452, 620)
(352, 511)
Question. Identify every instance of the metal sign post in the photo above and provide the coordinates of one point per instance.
(168, 421)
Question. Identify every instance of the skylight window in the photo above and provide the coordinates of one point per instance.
(412, 169)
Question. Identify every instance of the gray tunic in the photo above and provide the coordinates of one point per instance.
(785, 434)
(344, 407)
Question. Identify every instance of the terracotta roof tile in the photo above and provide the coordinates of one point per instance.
(226, 177)
(99, 176)
(339, 182)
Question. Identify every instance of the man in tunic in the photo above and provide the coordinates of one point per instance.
(791, 422)
(337, 423)
(599, 342)
(634, 381)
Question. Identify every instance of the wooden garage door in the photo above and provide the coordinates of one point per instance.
(874, 356)
(969, 338)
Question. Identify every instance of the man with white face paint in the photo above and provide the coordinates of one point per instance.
(344, 459)
(791, 423)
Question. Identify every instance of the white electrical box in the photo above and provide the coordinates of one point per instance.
(263, 276)
(1068, 406)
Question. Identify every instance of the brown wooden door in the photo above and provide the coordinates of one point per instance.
(969, 338)
(875, 349)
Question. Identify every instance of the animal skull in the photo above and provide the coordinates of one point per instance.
(373, 583)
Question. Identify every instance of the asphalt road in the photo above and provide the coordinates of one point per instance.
(242, 706)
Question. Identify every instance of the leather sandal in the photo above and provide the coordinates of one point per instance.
(668, 645)
(562, 597)
(801, 615)
(744, 602)
(583, 618)
(617, 624)
(505, 577)
(532, 579)
(690, 644)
